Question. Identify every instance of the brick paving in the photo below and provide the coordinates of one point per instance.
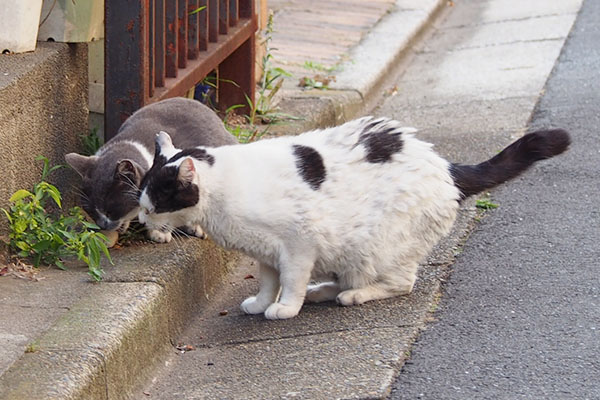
(320, 31)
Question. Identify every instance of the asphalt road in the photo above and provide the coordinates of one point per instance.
(520, 314)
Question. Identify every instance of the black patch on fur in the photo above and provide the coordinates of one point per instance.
(380, 141)
(195, 153)
(510, 162)
(159, 162)
(310, 165)
(167, 193)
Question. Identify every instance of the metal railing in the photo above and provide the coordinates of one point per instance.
(155, 49)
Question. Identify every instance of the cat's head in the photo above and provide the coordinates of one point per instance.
(170, 187)
(110, 188)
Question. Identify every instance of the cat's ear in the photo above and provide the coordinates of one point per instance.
(84, 165)
(163, 142)
(187, 171)
(128, 170)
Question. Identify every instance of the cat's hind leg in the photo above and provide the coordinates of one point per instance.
(398, 283)
(267, 294)
(193, 230)
(325, 291)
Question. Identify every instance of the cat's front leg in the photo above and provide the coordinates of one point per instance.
(294, 279)
(267, 294)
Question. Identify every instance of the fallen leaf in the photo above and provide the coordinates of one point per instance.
(185, 347)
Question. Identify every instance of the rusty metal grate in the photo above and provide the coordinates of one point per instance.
(155, 49)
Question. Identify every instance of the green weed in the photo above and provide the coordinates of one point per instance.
(91, 142)
(270, 83)
(315, 66)
(485, 204)
(197, 10)
(40, 233)
(262, 108)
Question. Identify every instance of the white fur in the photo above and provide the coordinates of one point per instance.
(368, 225)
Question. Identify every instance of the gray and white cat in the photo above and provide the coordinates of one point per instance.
(112, 176)
(355, 208)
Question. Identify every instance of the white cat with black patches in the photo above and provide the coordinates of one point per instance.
(112, 176)
(354, 208)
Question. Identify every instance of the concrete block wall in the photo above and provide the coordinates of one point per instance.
(43, 111)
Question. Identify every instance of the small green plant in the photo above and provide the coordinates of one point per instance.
(315, 66)
(91, 142)
(239, 126)
(316, 82)
(262, 110)
(270, 83)
(485, 204)
(33, 347)
(197, 10)
(40, 232)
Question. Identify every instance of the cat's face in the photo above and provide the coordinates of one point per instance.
(109, 193)
(169, 189)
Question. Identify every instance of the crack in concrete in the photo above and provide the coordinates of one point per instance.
(467, 102)
(38, 307)
(502, 21)
(491, 45)
(301, 335)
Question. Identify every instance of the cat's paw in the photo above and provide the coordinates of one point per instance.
(353, 297)
(123, 227)
(194, 230)
(281, 311)
(158, 236)
(322, 292)
(252, 306)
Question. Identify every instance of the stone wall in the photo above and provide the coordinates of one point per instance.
(43, 111)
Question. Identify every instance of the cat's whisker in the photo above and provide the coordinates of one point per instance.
(135, 195)
(180, 232)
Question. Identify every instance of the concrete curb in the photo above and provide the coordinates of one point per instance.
(109, 341)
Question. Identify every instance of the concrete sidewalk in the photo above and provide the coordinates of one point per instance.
(350, 43)
(66, 337)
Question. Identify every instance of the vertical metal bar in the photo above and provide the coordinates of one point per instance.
(159, 43)
(171, 38)
(223, 16)
(213, 20)
(246, 8)
(203, 26)
(234, 15)
(182, 35)
(238, 68)
(192, 37)
(125, 62)
(149, 32)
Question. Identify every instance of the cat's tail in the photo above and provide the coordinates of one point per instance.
(510, 162)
